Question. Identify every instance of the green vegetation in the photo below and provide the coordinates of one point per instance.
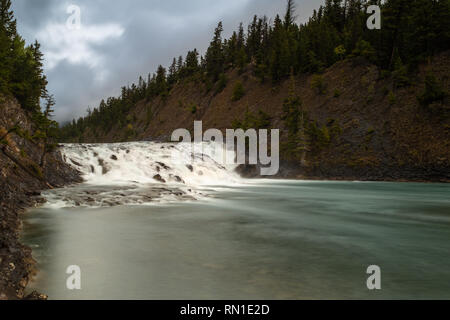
(364, 49)
(318, 83)
(21, 73)
(221, 84)
(193, 109)
(252, 121)
(432, 93)
(22, 77)
(238, 91)
(340, 51)
(392, 98)
(400, 74)
(130, 132)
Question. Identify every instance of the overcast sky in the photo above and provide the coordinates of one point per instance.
(120, 40)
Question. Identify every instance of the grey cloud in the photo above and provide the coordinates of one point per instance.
(154, 32)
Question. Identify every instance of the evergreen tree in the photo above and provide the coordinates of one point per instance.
(50, 103)
(192, 62)
(161, 84)
(290, 17)
(214, 55)
(7, 34)
(173, 73)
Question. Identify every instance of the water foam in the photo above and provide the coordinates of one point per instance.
(140, 173)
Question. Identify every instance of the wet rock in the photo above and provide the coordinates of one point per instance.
(76, 163)
(159, 178)
(36, 296)
(102, 163)
(177, 179)
(32, 193)
(163, 165)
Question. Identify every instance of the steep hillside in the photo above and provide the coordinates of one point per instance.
(352, 102)
(25, 170)
(360, 124)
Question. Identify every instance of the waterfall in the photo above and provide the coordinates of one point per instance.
(137, 173)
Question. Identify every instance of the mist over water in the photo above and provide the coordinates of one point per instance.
(230, 238)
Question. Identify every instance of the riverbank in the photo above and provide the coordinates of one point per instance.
(25, 171)
(17, 194)
(291, 171)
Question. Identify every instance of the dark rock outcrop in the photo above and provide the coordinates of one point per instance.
(25, 170)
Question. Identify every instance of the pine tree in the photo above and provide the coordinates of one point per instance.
(50, 102)
(289, 17)
(7, 34)
(161, 84)
(179, 63)
(172, 76)
(214, 55)
(192, 62)
(395, 15)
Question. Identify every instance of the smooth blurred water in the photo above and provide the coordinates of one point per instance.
(267, 240)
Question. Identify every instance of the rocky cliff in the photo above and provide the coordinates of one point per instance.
(24, 171)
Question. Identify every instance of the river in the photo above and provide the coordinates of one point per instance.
(230, 238)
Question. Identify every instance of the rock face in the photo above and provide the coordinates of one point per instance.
(24, 171)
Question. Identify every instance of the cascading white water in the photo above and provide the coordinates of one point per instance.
(140, 173)
(141, 161)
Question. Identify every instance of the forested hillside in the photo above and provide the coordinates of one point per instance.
(329, 84)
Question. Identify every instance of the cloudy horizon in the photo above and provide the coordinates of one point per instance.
(119, 41)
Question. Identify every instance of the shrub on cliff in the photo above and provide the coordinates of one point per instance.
(238, 91)
(318, 83)
(432, 93)
(221, 84)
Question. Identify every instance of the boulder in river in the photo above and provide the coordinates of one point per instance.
(159, 178)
